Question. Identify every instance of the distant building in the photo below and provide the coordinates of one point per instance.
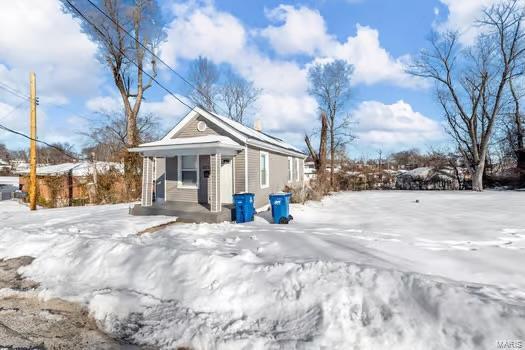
(427, 178)
(5, 167)
(8, 186)
(68, 184)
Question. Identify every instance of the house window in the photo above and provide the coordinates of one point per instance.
(264, 169)
(297, 169)
(290, 169)
(189, 174)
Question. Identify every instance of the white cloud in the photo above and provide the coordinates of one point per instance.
(284, 104)
(372, 62)
(104, 103)
(47, 129)
(38, 36)
(168, 110)
(290, 113)
(200, 30)
(395, 125)
(462, 16)
(300, 30)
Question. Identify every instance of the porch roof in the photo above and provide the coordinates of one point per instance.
(209, 144)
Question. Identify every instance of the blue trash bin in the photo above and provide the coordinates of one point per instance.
(280, 207)
(244, 209)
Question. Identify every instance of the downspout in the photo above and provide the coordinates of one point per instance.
(246, 167)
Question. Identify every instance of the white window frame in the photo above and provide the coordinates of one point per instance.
(267, 165)
(297, 169)
(290, 169)
(179, 171)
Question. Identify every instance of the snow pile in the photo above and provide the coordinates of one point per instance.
(387, 273)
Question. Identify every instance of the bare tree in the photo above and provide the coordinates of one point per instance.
(515, 131)
(471, 82)
(238, 96)
(108, 134)
(58, 154)
(125, 55)
(4, 152)
(319, 157)
(330, 84)
(204, 76)
(20, 154)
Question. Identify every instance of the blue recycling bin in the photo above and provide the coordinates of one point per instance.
(280, 203)
(244, 209)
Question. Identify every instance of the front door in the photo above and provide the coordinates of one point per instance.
(204, 163)
(226, 181)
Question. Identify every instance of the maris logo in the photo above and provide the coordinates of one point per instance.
(510, 344)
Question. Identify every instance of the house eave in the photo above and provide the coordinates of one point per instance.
(276, 149)
(186, 149)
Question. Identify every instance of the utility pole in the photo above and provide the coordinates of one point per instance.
(32, 142)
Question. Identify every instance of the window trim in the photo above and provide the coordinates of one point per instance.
(290, 169)
(267, 165)
(297, 169)
(179, 172)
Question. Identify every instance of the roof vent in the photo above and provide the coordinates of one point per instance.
(257, 125)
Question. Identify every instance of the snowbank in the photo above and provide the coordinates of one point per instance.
(386, 273)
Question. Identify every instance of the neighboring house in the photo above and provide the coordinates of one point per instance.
(19, 166)
(5, 167)
(8, 186)
(427, 178)
(67, 184)
(196, 168)
(309, 170)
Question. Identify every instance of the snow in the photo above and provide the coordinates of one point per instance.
(78, 169)
(252, 133)
(9, 180)
(192, 140)
(358, 270)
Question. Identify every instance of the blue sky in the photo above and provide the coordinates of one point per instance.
(271, 43)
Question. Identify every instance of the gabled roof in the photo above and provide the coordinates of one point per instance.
(241, 132)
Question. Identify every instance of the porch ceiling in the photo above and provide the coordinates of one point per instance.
(189, 145)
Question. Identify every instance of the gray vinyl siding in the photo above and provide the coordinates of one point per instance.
(239, 172)
(160, 173)
(215, 180)
(190, 130)
(278, 175)
(173, 193)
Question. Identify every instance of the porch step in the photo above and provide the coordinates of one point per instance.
(190, 214)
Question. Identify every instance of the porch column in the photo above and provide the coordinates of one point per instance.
(215, 183)
(147, 181)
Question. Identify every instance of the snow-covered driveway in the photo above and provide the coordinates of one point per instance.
(358, 270)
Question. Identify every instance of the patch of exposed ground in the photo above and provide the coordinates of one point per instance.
(26, 322)
(156, 228)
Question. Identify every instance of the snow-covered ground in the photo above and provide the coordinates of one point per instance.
(359, 270)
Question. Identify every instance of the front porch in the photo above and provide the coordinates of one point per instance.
(186, 211)
(191, 178)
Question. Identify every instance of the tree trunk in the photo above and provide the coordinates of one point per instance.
(477, 177)
(322, 145)
(332, 155)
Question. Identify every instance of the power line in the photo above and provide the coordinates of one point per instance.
(12, 110)
(130, 60)
(3, 127)
(13, 91)
(151, 52)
